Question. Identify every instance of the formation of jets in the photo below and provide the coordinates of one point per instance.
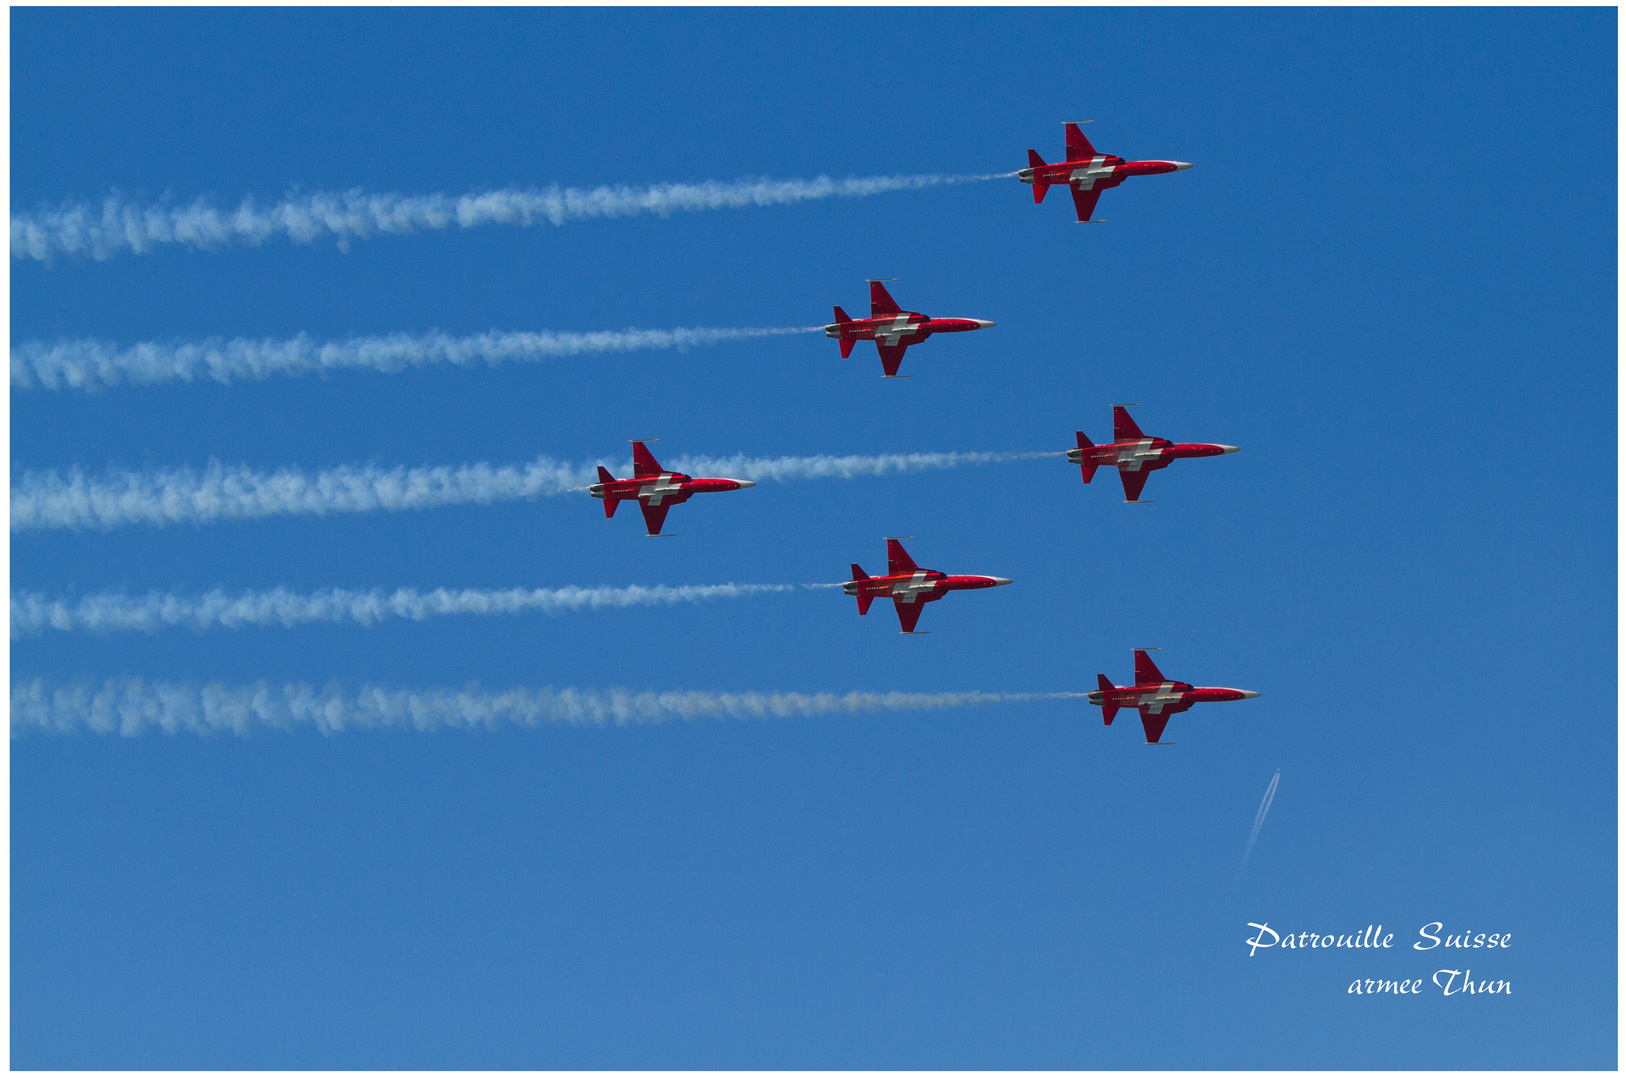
(1132, 452)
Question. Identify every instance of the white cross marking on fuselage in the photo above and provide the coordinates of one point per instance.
(660, 489)
(1084, 179)
(897, 328)
(1160, 699)
(1136, 454)
(908, 591)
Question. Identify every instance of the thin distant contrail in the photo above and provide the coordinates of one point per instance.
(133, 706)
(32, 613)
(1259, 818)
(116, 225)
(183, 496)
(90, 364)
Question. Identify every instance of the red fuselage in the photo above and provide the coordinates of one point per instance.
(667, 489)
(904, 328)
(922, 586)
(910, 587)
(654, 489)
(1099, 172)
(1156, 697)
(1144, 454)
(1135, 454)
(1087, 172)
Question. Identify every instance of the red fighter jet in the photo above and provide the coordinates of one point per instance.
(891, 328)
(1157, 698)
(1087, 172)
(656, 491)
(910, 587)
(1136, 454)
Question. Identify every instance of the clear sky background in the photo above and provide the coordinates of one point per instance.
(1390, 279)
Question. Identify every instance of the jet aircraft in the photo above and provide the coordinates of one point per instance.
(1136, 454)
(1087, 172)
(1156, 697)
(656, 491)
(910, 587)
(891, 328)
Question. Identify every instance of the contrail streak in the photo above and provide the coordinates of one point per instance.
(89, 364)
(131, 707)
(32, 613)
(1259, 818)
(183, 496)
(117, 225)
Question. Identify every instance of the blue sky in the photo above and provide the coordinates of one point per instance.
(1390, 279)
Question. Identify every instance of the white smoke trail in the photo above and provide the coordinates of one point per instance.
(89, 364)
(1259, 818)
(116, 225)
(131, 707)
(71, 500)
(848, 467)
(32, 613)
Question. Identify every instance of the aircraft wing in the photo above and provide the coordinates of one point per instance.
(1124, 428)
(1078, 147)
(643, 462)
(1146, 673)
(654, 516)
(1085, 201)
(1154, 725)
(1134, 481)
(909, 614)
(891, 357)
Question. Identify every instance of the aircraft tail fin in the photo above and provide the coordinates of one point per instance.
(864, 599)
(1086, 467)
(847, 347)
(841, 316)
(1108, 710)
(610, 501)
(1037, 162)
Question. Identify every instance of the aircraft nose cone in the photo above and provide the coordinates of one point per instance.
(983, 324)
(1249, 693)
(1181, 165)
(1228, 449)
(746, 483)
(1002, 581)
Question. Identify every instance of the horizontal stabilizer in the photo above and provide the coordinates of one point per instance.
(605, 476)
(1034, 160)
(1039, 191)
(1108, 710)
(847, 347)
(610, 503)
(864, 601)
(841, 316)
